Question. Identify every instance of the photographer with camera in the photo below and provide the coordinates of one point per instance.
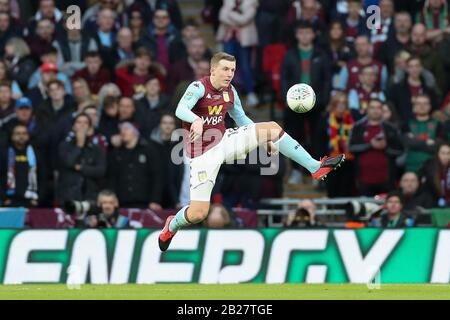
(393, 216)
(103, 213)
(303, 217)
(106, 213)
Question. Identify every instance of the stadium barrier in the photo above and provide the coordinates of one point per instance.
(225, 256)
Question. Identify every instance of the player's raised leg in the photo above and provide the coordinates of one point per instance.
(272, 132)
(193, 213)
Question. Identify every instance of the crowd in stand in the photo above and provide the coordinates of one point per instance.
(91, 109)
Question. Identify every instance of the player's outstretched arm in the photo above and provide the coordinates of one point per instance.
(237, 112)
(193, 93)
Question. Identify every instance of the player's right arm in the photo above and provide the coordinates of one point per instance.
(193, 93)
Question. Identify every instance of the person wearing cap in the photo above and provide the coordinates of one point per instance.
(24, 115)
(135, 170)
(39, 93)
(50, 55)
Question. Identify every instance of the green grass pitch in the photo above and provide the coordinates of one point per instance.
(226, 292)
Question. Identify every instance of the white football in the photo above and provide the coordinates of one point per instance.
(301, 97)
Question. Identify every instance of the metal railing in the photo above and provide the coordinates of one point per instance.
(289, 204)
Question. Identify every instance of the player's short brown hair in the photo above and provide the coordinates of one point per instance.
(221, 56)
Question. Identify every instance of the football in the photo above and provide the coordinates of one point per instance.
(301, 97)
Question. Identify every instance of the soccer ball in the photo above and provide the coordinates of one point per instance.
(301, 97)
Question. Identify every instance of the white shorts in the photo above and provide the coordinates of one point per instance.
(235, 144)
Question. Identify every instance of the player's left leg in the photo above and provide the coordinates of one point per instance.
(271, 131)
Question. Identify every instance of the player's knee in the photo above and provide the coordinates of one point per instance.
(275, 130)
(274, 125)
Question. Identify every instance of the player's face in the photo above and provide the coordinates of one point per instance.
(223, 72)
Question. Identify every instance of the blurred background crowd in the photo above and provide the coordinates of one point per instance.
(88, 114)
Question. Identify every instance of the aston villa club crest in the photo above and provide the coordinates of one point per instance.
(226, 97)
(202, 176)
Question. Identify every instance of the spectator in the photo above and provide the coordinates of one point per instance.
(94, 135)
(95, 74)
(421, 134)
(108, 90)
(396, 42)
(152, 105)
(135, 171)
(11, 7)
(55, 114)
(183, 70)
(173, 174)
(429, 57)
(332, 139)
(237, 32)
(376, 145)
(69, 44)
(300, 12)
(6, 102)
(435, 16)
(163, 39)
(50, 56)
(190, 31)
(386, 28)
(403, 94)
(123, 51)
(25, 116)
(338, 49)
(21, 183)
(128, 112)
(298, 66)
(149, 9)
(136, 25)
(393, 217)
(20, 64)
(109, 121)
(4, 76)
(414, 199)
(354, 22)
(82, 164)
(46, 10)
(269, 21)
(304, 216)
(401, 67)
(106, 214)
(436, 176)
(360, 96)
(89, 21)
(40, 92)
(103, 38)
(390, 115)
(8, 30)
(349, 74)
(131, 79)
(81, 92)
(42, 40)
(218, 217)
